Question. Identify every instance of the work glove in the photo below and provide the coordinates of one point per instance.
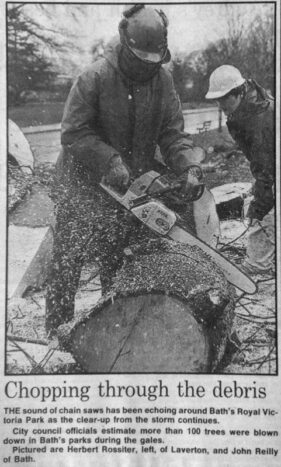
(248, 214)
(117, 176)
(187, 187)
(191, 188)
(194, 155)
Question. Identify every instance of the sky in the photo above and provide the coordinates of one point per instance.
(191, 26)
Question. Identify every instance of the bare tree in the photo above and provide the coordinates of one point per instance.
(247, 44)
(259, 62)
(235, 24)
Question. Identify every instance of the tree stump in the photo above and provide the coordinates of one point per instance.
(170, 309)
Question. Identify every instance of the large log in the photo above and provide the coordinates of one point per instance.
(170, 310)
(19, 148)
(229, 199)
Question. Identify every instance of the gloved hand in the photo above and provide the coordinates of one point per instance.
(247, 217)
(195, 155)
(188, 187)
(190, 181)
(118, 176)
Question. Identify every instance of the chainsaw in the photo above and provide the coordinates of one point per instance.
(142, 200)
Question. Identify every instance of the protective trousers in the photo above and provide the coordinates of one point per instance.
(261, 245)
(89, 227)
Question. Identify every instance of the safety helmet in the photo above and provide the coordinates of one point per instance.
(144, 31)
(223, 80)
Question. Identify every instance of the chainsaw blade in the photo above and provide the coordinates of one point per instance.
(232, 273)
(163, 221)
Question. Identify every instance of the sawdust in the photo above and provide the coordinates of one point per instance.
(254, 328)
(253, 336)
(19, 184)
(164, 267)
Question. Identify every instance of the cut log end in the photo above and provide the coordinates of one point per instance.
(146, 333)
(169, 310)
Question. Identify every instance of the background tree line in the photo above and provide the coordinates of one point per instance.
(39, 55)
(250, 49)
(37, 52)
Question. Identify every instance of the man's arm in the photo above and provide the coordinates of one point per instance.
(80, 124)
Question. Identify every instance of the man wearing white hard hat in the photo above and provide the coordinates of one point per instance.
(250, 121)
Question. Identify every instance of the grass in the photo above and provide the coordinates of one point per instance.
(33, 114)
(233, 169)
(197, 105)
(48, 113)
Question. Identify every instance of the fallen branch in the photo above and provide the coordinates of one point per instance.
(27, 340)
(26, 354)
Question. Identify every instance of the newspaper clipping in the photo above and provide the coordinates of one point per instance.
(140, 234)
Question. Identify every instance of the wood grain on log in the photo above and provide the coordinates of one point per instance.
(170, 310)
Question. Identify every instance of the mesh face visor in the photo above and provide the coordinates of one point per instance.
(144, 32)
(150, 57)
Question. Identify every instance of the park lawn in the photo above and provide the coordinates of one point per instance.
(37, 113)
(48, 113)
(197, 105)
(231, 169)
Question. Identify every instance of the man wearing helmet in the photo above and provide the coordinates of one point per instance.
(117, 112)
(250, 121)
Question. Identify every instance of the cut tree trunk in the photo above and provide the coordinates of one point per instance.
(170, 309)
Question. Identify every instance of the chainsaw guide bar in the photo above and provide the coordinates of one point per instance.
(141, 200)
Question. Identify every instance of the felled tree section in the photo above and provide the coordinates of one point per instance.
(20, 165)
(19, 184)
(170, 309)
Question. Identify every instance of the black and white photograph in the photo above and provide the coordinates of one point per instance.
(140, 234)
(141, 168)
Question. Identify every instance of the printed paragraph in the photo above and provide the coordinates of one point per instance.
(208, 430)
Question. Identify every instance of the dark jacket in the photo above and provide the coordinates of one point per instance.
(252, 127)
(106, 114)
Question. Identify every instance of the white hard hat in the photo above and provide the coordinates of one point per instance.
(223, 80)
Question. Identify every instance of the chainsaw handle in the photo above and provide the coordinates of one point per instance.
(196, 169)
(197, 191)
(169, 189)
